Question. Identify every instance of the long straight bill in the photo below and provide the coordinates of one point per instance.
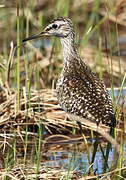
(33, 37)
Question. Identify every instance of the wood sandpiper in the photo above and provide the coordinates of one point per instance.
(79, 90)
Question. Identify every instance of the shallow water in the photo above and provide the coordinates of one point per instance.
(79, 160)
(119, 95)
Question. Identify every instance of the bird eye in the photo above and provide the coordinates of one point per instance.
(54, 26)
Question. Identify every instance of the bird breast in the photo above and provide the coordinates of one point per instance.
(83, 98)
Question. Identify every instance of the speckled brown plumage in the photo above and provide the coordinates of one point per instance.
(79, 90)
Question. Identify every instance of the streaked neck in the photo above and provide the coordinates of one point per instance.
(68, 45)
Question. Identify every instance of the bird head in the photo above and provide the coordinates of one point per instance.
(60, 27)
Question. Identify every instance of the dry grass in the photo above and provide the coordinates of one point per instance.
(35, 107)
(39, 107)
(28, 172)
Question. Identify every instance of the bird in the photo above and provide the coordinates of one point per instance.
(79, 90)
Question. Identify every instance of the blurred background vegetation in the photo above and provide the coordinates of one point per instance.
(100, 27)
(100, 38)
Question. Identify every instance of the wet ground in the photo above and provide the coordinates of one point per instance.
(66, 152)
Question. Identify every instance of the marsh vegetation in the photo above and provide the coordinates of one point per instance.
(37, 139)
